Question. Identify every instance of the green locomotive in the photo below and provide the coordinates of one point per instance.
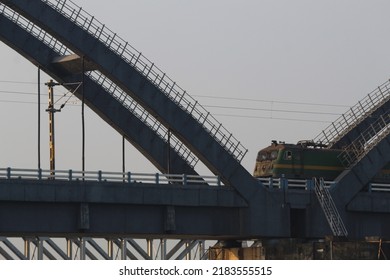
(303, 160)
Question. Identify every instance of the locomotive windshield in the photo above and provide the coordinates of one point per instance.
(267, 155)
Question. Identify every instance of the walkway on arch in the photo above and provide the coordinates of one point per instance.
(357, 119)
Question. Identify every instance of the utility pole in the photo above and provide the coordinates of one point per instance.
(169, 151)
(83, 117)
(51, 110)
(39, 118)
(123, 158)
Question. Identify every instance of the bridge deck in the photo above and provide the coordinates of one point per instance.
(245, 208)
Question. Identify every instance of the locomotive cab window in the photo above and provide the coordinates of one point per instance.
(274, 154)
(261, 156)
(288, 155)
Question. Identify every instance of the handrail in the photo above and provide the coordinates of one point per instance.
(379, 187)
(149, 70)
(347, 121)
(378, 130)
(34, 30)
(105, 176)
(329, 207)
(286, 183)
(144, 116)
(308, 184)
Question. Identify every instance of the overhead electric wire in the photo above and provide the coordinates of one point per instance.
(225, 98)
(269, 110)
(25, 93)
(60, 95)
(18, 82)
(18, 92)
(32, 102)
(272, 118)
(65, 94)
(215, 114)
(271, 101)
(18, 102)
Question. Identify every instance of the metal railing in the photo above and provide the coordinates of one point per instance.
(148, 69)
(379, 187)
(123, 98)
(309, 184)
(103, 176)
(347, 121)
(366, 141)
(34, 30)
(285, 183)
(330, 210)
(144, 116)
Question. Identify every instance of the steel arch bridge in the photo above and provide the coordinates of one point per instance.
(142, 103)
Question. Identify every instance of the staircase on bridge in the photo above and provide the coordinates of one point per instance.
(351, 124)
(330, 210)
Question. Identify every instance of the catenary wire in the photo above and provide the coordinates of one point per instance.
(272, 101)
(63, 95)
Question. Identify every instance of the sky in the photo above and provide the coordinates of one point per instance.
(267, 69)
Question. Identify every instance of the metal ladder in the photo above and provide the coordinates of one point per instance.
(327, 204)
(356, 114)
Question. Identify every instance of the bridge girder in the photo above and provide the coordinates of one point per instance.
(247, 211)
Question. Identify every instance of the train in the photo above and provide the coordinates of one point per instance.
(304, 160)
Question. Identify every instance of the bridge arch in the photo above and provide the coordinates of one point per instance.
(120, 67)
(153, 146)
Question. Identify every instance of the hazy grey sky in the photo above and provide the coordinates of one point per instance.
(262, 52)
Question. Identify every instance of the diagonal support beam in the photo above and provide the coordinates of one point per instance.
(12, 247)
(353, 180)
